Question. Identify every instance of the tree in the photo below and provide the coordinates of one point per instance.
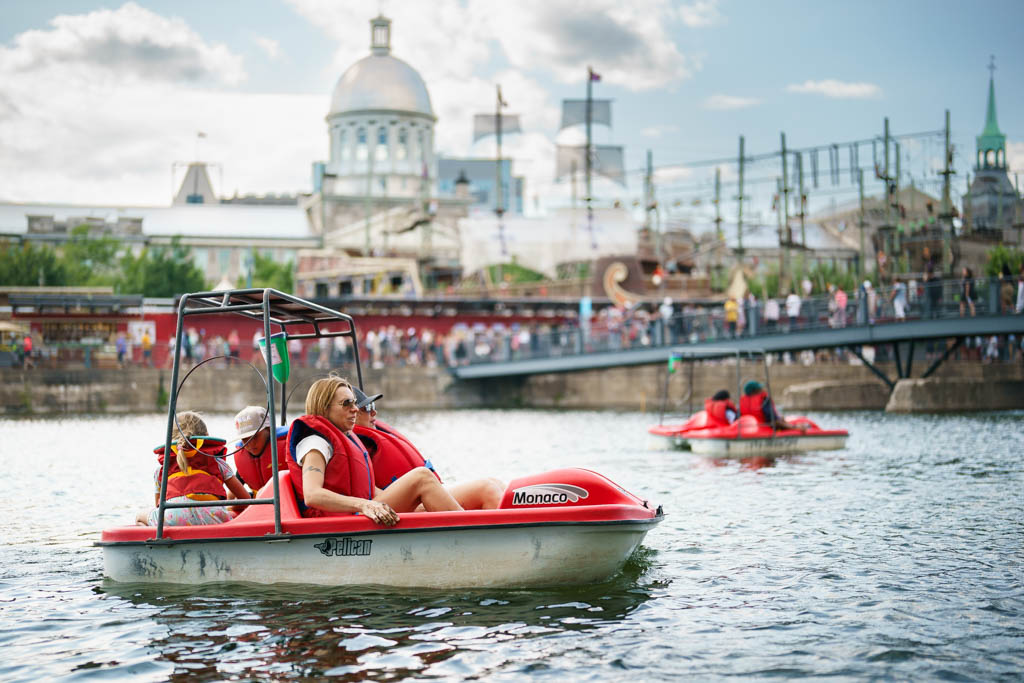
(160, 272)
(90, 260)
(1001, 257)
(267, 273)
(25, 265)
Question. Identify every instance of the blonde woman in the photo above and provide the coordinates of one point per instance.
(198, 472)
(333, 473)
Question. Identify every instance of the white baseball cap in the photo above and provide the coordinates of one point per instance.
(250, 420)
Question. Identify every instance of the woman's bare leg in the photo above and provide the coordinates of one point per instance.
(481, 494)
(415, 487)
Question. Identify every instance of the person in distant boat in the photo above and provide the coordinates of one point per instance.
(393, 455)
(756, 401)
(253, 458)
(197, 472)
(332, 472)
(721, 409)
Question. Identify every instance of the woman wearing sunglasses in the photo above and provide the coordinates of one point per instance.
(197, 472)
(333, 473)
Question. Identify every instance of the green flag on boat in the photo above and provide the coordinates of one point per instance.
(673, 362)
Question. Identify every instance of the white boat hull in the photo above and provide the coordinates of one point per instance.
(741, 447)
(528, 555)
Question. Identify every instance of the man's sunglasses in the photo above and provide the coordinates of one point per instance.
(369, 407)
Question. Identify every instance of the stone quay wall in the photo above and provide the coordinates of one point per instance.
(822, 386)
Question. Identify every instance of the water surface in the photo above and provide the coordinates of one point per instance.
(898, 557)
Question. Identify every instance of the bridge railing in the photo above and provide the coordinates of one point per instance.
(620, 330)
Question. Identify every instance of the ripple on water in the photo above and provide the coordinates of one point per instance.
(898, 557)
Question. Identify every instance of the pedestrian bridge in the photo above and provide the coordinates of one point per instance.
(902, 336)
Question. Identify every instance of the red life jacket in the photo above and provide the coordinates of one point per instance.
(716, 410)
(254, 470)
(203, 480)
(393, 455)
(754, 405)
(349, 471)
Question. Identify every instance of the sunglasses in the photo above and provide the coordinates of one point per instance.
(369, 408)
(348, 403)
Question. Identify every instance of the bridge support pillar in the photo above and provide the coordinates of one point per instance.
(871, 366)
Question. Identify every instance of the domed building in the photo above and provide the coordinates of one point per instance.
(376, 196)
(380, 126)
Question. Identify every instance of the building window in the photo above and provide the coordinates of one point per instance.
(381, 152)
(361, 144)
(223, 261)
(419, 144)
(321, 290)
(343, 144)
(402, 152)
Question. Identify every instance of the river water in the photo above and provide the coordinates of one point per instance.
(898, 557)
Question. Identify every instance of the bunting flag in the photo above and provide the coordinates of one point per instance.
(487, 124)
(574, 112)
(607, 161)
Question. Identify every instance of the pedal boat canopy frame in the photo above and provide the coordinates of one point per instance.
(715, 353)
(278, 312)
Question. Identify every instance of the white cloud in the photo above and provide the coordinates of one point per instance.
(627, 43)
(97, 107)
(672, 174)
(836, 89)
(269, 46)
(1015, 156)
(730, 102)
(130, 43)
(658, 131)
(700, 13)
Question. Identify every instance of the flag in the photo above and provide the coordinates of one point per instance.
(593, 75)
(673, 363)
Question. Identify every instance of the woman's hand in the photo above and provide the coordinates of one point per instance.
(380, 513)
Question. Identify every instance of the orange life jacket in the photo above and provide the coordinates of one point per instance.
(349, 471)
(716, 410)
(254, 470)
(393, 455)
(203, 480)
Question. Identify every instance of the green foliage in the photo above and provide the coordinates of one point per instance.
(267, 273)
(513, 273)
(25, 265)
(160, 272)
(89, 260)
(1000, 256)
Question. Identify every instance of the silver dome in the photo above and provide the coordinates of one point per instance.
(381, 82)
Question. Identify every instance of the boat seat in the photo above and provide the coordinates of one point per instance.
(289, 504)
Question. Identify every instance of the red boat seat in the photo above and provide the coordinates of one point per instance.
(747, 424)
(289, 504)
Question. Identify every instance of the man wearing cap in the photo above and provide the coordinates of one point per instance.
(253, 457)
(393, 455)
(756, 401)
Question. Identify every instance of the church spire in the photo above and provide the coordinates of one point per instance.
(991, 143)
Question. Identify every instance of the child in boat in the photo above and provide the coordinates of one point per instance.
(198, 472)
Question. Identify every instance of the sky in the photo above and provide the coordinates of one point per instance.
(101, 102)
